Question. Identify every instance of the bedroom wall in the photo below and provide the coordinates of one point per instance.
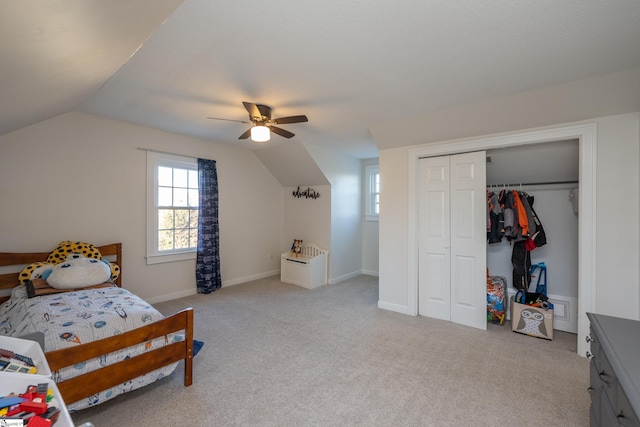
(307, 219)
(81, 177)
(617, 212)
(344, 174)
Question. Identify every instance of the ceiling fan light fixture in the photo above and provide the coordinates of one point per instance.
(260, 133)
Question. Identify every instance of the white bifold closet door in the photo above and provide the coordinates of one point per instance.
(452, 259)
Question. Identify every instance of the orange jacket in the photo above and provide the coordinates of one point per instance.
(523, 222)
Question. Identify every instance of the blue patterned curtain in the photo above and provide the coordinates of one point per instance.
(208, 277)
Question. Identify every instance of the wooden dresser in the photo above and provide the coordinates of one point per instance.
(615, 371)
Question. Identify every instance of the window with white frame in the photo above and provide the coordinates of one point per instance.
(172, 207)
(372, 192)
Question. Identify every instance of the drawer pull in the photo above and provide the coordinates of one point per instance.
(605, 378)
(590, 355)
(589, 339)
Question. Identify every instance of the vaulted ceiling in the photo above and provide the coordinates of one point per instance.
(348, 66)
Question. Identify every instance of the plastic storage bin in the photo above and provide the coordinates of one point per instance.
(30, 349)
(18, 383)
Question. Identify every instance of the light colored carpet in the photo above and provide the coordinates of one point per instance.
(279, 355)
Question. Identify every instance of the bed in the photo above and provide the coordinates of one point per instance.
(94, 357)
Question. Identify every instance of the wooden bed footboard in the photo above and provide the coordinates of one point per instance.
(93, 382)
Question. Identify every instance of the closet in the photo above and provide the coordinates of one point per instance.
(451, 282)
(548, 172)
(452, 238)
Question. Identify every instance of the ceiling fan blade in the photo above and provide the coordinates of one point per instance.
(291, 119)
(281, 132)
(265, 110)
(246, 134)
(228, 120)
(253, 110)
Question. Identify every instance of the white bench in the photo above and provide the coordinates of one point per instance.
(308, 270)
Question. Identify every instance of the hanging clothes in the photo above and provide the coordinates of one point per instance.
(521, 255)
(523, 223)
(507, 203)
(510, 214)
(521, 262)
(539, 237)
(495, 226)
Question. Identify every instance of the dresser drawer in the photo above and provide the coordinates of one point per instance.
(625, 415)
(607, 378)
(607, 415)
(614, 371)
(595, 394)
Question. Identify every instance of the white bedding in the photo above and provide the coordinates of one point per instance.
(73, 318)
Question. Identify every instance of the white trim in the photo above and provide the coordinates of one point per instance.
(338, 279)
(171, 296)
(393, 307)
(159, 259)
(244, 279)
(186, 293)
(154, 159)
(586, 133)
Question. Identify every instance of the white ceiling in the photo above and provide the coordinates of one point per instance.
(169, 64)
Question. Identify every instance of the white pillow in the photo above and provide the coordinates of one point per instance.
(78, 273)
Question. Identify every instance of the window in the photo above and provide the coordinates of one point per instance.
(172, 208)
(372, 192)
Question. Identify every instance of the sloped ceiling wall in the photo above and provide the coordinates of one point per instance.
(292, 165)
(586, 99)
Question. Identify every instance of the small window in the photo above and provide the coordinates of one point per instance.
(372, 192)
(172, 208)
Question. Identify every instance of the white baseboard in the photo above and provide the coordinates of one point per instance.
(171, 296)
(335, 280)
(393, 307)
(239, 280)
(565, 311)
(370, 273)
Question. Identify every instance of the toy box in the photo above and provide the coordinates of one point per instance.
(30, 349)
(530, 320)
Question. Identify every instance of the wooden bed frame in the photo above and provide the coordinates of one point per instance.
(93, 382)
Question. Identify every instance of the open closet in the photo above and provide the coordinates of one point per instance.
(452, 267)
(549, 174)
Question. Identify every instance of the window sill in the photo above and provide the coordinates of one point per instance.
(371, 218)
(159, 259)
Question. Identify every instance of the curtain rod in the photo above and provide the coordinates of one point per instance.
(533, 183)
(167, 152)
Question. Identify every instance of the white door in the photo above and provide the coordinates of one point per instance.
(452, 239)
(434, 257)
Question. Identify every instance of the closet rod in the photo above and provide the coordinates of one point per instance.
(533, 183)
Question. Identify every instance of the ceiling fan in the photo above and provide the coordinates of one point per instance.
(263, 124)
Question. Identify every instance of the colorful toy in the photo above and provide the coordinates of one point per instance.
(32, 405)
(496, 300)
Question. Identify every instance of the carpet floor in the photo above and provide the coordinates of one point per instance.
(276, 354)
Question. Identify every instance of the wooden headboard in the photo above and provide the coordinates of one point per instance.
(112, 252)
